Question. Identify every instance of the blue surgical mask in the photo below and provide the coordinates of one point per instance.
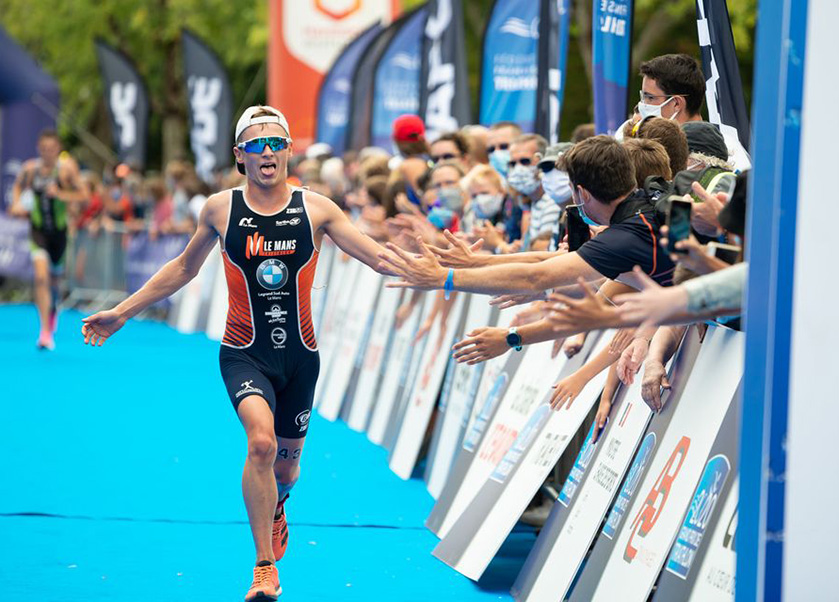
(450, 198)
(557, 186)
(441, 217)
(583, 214)
(523, 179)
(487, 206)
(499, 160)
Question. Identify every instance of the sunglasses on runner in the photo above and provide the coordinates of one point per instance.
(502, 146)
(255, 145)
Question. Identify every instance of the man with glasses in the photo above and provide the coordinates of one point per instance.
(451, 146)
(673, 87)
(525, 179)
(270, 235)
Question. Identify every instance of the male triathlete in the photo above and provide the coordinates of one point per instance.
(43, 189)
(270, 234)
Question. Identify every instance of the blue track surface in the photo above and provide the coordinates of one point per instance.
(120, 477)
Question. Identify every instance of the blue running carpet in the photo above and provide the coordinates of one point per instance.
(120, 479)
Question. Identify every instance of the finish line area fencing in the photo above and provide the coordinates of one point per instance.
(650, 507)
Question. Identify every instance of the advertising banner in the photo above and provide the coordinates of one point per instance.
(396, 85)
(375, 356)
(611, 31)
(724, 89)
(210, 107)
(573, 523)
(394, 373)
(510, 63)
(333, 106)
(444, 83)
(553, 57)
(653, 520)
(305, 38)
(15, 254)
(539, 442)
(456, 406)
(128, 104)
(423, 397)
(144, 256)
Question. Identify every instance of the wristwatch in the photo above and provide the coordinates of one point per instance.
(514, 339)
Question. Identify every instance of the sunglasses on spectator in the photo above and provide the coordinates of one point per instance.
(527, 162)
(502, 146)
(256, 145)
(444, 157)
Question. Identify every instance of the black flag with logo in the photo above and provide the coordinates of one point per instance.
(210, 106)
(444, 89)
(128, 104)
(723, 89)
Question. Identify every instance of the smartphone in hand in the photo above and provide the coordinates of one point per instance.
(578, 231)
(728, 253)
(678, 224)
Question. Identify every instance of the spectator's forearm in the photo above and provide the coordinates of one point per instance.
(717, 291)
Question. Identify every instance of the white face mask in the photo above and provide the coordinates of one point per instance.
(557, 185)
(523, 179)
(648, 110)
(487, 206)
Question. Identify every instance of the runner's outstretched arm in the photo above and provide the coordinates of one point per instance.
(171, 277)
(340, 229)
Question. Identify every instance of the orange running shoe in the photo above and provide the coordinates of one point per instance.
(266, 583)
(279, 532)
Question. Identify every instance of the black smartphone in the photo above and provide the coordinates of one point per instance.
(578, 232)
(678, 224)
(728, 253)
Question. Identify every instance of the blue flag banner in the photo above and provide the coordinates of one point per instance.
(336, 89)
(510, 70)
(444, 83)
(724, 90)
(611, 32)
(396, 87)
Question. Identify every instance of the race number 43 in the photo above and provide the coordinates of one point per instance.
(653, 506)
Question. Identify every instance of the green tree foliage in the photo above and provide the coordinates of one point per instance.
(60, 35)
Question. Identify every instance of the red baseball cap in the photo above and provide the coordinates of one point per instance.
(408, 128)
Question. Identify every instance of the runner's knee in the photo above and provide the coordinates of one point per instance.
(262, 448)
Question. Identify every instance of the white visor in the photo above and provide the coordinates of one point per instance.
(247, 119)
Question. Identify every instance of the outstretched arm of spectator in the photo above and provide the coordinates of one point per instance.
(483, 344)
(459, 255)
(171, 277)
(424, 272)
(605, 405)
(567, 390)
(707, 296)
(664, 344)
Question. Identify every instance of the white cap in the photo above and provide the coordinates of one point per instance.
(318, 149)
(247, 119)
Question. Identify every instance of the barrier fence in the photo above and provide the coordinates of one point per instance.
(650, 508)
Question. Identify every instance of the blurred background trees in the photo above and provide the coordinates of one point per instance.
(61, 34)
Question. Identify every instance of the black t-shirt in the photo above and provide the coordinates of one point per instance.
(631, 239)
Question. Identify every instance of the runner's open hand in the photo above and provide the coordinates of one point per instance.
(98, 327)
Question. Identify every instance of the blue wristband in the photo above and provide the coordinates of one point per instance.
(449, 286)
